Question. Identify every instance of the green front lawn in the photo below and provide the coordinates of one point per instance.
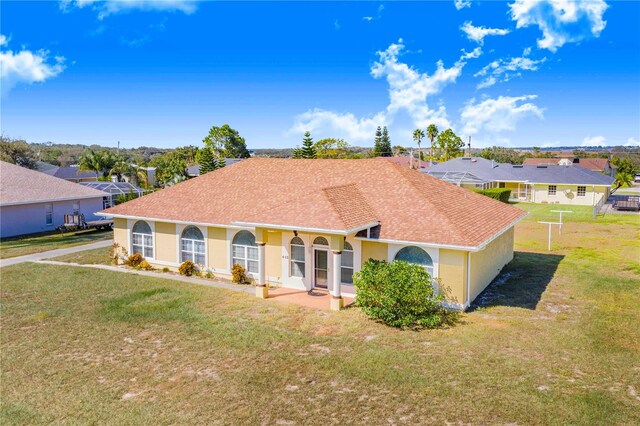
(99, 256)
(37, 243)
(557, 343)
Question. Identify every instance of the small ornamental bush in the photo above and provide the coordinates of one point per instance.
(187, 268)
(209, 275)
(239, 275)
(134, 260)
(500, 194)
(400, 294)
(165, 269)
(145, 265)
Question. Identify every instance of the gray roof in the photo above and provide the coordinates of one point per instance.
(113, 187)
(69, 172)
(195, 169)
(478, 170)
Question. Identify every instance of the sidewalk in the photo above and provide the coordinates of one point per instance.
(53, 253)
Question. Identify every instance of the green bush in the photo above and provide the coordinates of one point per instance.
(500, 194)
(135, 260)
(146, 266)
(400, 294)
(188, 268)
(239, 275)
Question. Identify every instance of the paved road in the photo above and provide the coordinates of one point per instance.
(53, 253)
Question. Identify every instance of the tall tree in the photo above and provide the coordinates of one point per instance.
(227, 141)
(418, 135)
(385, 143)
(502, 155)
(450, 144)
(18, 152)
(124, 168)
(432, 134)
(333, 148)
(170, 168)
(100, 162)
(377, 150)
(308, 150)
(207, 161)
(296, 152)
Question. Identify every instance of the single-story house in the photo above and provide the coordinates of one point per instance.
(72, 174)
(536, 184)
(600, 165)
(115, 189)
(311, 224)
(409, 162)
(32, 201)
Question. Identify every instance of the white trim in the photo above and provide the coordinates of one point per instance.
(130, 224)
(306, 229)
(325, 249)
(468, 302)
(54, 200)
(230, 237)
(205, 233)
(182, 222)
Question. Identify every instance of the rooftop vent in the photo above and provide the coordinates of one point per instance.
(517, 166)
(542, 166)
(466, 158)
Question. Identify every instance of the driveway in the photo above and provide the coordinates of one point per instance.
(53, 253)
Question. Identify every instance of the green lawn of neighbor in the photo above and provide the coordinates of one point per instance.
(558, 342)
(37, 243)
(99, 256)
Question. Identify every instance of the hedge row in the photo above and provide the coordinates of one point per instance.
(501, 194)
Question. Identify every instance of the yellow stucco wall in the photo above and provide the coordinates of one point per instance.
(166, 242)
(217, 249)
(120, 232)
(486, 264)
(453, 274)
(592, 196)
(373, 250)
(273, 255)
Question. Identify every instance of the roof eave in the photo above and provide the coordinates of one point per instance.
(306, 228)
(54, 200)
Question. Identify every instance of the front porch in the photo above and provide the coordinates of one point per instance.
(317, 299)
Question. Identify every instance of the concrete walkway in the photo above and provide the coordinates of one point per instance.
(34, 257)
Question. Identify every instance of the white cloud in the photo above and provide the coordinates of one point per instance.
(461, 4)
(336, 25)
(505, 69)
(497, 115)
(110, 7)
(367, 18)
(409, 91)
(594, 141)
(478, 34)
(561, 21)
(26, 67)
(374, 18)
(632, 142)
(346, 125)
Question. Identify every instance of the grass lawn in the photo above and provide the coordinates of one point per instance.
(99, 256)
(37, 243)
(558, 342)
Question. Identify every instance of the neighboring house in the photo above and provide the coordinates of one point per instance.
(537, 184)
(72, 174)
(409, 162)
(194, 171)
(114, 189)
(600, 165)
(32, 201)
(308, 224)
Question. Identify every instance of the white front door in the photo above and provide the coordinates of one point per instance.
(320, 268)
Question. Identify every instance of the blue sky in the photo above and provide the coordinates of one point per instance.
(160, 73)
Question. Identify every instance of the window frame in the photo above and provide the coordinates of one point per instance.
(584, 191)
(244, 259)
(143, 241)
(429, 268)
(48, 214)
(302, 264)
(343, 267)
(552, 192)
(192, 252)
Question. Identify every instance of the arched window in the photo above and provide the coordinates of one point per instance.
(297, 257)
(347, 264)
(320, 241)
(245, 251)
(413, 254)
(142, 239)
(192, 245)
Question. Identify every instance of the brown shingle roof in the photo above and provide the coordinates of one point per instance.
(593, 164)
(333, 195)
(19, 185)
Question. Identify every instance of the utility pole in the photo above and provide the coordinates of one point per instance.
(469, 145)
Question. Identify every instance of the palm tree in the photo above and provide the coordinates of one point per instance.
(125, 168)
(432, 134)
(418, 134)
(623, 179)
(99, 162)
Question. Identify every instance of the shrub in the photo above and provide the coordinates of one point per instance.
(209, 275)
(500, 194)
(145, 265)
(239, 275)
(400, 294)
(187, 268)
(134, 260)
(165, 269)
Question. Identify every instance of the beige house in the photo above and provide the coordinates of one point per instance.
(311, 224)
(553, 184)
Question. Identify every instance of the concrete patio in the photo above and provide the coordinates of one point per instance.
(317, 299)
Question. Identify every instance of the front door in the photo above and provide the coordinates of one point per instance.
(320, 268)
